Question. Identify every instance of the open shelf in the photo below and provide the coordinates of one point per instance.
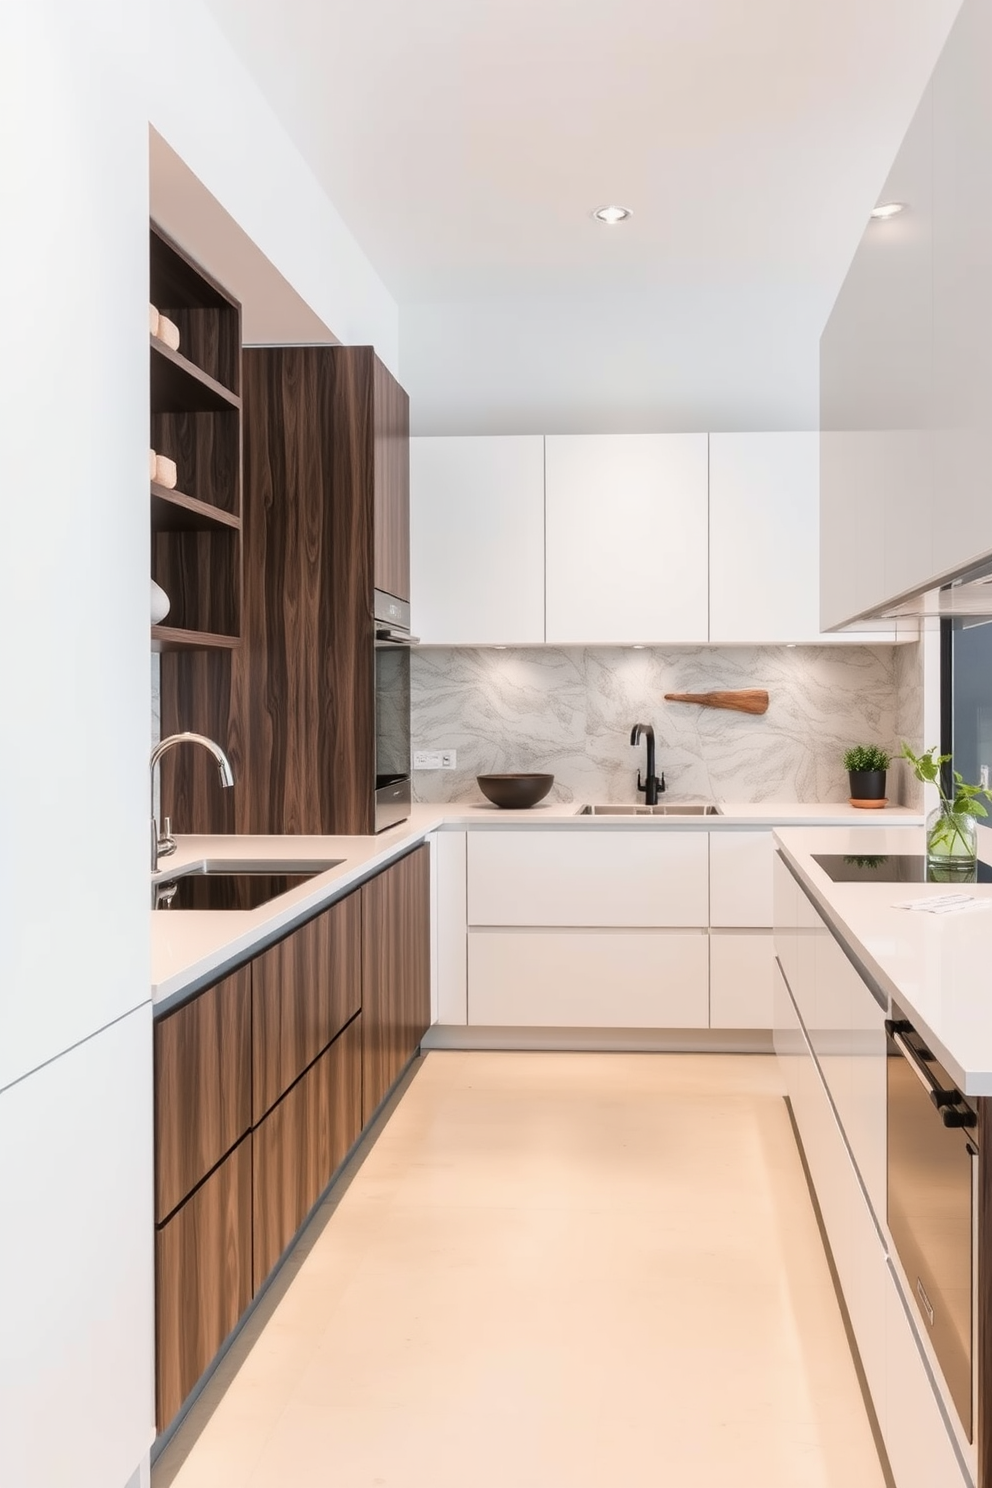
(180, 386)
(174, 511)
(170, 638)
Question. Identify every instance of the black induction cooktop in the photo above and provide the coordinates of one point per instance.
(896, 868)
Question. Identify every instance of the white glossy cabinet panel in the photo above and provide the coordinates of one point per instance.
(76, 1264)
(876, 384)
(450, 857)
(477, 540)
(741, 879)
(741, 979)
(764, 537)
(626, 538)
(961, 516)
(588, 979)
(765, 541)
(917, 1441)
(598, 878)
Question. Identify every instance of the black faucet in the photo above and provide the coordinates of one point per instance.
(652, 785)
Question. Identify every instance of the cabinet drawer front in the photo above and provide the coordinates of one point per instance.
(590, 979)
(304, 990)
(202, 1279)
(396, 962)
(741, 984)
(640, 878)
(741, 879)
(202, 1086)
(300, 1143)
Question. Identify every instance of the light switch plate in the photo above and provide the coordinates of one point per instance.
(449, 759)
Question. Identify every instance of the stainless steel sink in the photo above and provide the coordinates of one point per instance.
(701, 808)
(222, 884)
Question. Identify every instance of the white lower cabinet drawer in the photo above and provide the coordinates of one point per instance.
(600, 877)
(916, 1437)
(741, 979)
(587, 979)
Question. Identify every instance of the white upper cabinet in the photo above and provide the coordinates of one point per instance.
(765, 541)
(477, 540)
(961, 521)
(626, 538)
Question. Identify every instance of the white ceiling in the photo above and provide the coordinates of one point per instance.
(466, 141)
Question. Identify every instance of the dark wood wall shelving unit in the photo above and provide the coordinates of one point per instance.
(196, 421)
(326, 521)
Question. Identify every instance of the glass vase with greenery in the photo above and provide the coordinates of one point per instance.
(952, 837)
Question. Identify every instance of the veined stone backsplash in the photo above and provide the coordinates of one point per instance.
(570, 712)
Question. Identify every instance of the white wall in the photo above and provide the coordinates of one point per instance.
(608, 363)
(75, 1025)
(205, 105)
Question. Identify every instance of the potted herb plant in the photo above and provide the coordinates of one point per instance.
(952, 837)
(866, 765)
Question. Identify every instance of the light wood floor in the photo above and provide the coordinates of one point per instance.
(556, 1271)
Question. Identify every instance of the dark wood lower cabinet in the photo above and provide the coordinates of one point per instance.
(301, 1142)
(270, 1051)
(202, 1086)
(304, 990)
(396, 971)
(202, 1278)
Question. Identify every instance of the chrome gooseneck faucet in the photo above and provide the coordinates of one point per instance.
(163, 844)
(652, 786)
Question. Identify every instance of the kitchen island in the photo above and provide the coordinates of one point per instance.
(883, 1032)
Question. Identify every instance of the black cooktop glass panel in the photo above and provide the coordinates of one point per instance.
(895, 868)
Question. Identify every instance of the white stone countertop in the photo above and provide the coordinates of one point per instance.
(937, 967)
(192, 947)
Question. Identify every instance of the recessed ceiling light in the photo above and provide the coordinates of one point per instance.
(888, 209)
(612, 215)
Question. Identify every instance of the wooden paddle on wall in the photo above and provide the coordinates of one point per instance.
(746, 700)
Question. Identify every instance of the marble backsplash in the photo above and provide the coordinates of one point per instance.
(570, 712)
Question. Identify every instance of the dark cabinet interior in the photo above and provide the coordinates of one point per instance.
(196, 422)
(396, 1001)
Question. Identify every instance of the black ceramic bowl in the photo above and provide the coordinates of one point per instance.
(515, 791)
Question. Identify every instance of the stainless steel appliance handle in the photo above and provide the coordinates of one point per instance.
(397, 637)
(944, 1100)
(919, 1070)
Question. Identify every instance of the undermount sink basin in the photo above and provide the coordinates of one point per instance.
(702, 808)
(221, 884)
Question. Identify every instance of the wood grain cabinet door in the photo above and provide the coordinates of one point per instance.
(304, 990)
(202, 1086)
(299, 1145)
(202, 1279)
(392, 484)
(396, 973)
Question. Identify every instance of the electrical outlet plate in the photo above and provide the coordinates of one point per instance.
(427, 759)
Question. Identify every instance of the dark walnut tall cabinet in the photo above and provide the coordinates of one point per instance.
(326, 522)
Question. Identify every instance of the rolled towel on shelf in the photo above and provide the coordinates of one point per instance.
(152, 320)
(152, 464)
(166, 473)
(168, 332)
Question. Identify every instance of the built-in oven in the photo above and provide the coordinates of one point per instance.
(393, 793)
(932, 1203)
